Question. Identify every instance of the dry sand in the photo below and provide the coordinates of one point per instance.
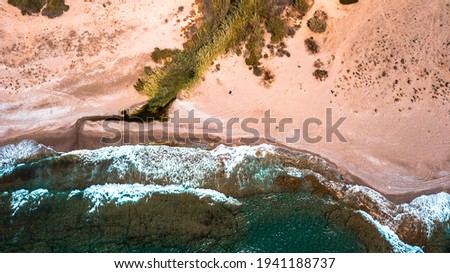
(84, 63)
(385, 61)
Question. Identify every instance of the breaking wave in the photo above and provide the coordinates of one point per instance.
(31, 173)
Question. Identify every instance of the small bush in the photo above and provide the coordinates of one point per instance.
(348, 2)
(28, 6)
(318, 64)
(303, 6)
(269, 77)
(318, 23)
(258, 71)
(255, 45)
(162, 55)
(55, 8)
(311, 45)
(148, 70)
(278, 28)
(320, 74)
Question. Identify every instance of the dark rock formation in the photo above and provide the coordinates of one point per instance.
(65, 223)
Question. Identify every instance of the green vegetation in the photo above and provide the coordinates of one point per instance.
(255, 43)
(163, 55)
(318, 63)
(269, 77)
(303, 6)
(348, 2)
(311, 45)
(320, 74)
(52, 9)
(278, 28)
(55, 8)
(227, 26)
(318, 23)
(28, 6)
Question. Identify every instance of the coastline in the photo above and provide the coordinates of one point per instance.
(36, 175)
(401, 154)
(87, 134)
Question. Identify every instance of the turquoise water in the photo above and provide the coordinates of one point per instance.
(162, 199)
(168, 199)
(294, 223)
(283, 223)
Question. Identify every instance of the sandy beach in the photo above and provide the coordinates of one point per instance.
(388, 71)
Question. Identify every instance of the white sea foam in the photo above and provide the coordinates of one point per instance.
(25, 198)
(13, 154)
(236, 155)
(430, 209)
(398, 245)
(120, 194)
(187, 170)
(190, 167)
(294, 172)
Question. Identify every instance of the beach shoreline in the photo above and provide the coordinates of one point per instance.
(400, 152)
(88, 133)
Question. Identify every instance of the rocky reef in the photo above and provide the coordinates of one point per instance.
(160, 198)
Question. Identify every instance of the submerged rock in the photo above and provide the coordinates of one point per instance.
(118, 218)
(81, 178)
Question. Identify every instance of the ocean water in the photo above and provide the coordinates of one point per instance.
(294, 223)
(171, 199)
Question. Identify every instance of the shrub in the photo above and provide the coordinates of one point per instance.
(162, 55)
(148, 70)
(227, 25)
(318, 23)
(278, 28)
(320, 74)
(311, 45)
(269, 77)
(28, 6)
(255, 44)
(303, 6)
(226, 28)
(55, 8)
(258, 71)
(318, 64)
(348, 2)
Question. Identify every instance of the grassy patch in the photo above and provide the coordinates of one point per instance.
(227, 26)
(278, 28)
(303, 6)
(255, 44)
(163, 55)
